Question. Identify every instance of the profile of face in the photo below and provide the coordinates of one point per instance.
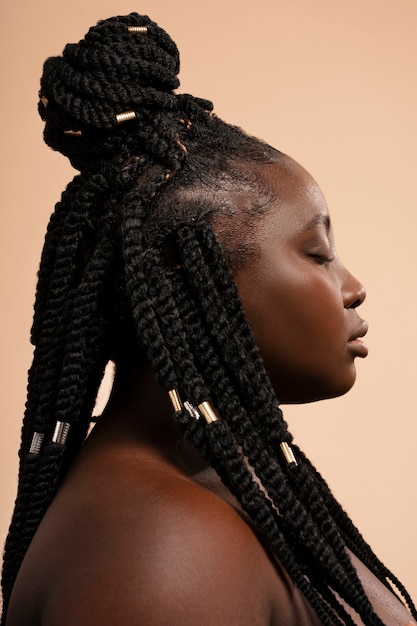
(299, 299)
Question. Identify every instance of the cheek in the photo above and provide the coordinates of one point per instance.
(300, 326)
(298, 309)
(271, 307)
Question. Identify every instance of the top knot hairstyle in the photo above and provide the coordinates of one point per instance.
(126, 68)
(130, 257)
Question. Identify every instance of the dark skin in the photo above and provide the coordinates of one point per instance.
(142, 531)
(298, 297)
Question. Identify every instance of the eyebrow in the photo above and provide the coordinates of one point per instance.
(321, 219)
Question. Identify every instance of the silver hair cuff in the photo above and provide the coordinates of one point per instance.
(61, 433)
(35, 446)
(191, 410)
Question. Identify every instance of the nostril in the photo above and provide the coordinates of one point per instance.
(356, 296)
(355, 304)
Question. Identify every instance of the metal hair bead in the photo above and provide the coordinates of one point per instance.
(35, 446)
(288, 453)
(73, 133)
(191, 410)
(185, 122)
(181, 146)
(207, 412)
(142, 30)
(174, 396)
(125, 117)
(61, 432)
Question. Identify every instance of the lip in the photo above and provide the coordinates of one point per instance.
(355, 342)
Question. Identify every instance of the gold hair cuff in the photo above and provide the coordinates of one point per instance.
(207, 412)
(125, 117)
(61, 433)
(35, 446)
(174, 396)
(288, 453)
(73, 133)
(181, 146)
(142, 30)
(185, 122)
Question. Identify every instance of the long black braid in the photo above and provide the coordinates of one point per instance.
(131, 253)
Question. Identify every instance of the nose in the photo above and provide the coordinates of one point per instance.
(354, 292)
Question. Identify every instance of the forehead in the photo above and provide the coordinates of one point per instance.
(298, 202)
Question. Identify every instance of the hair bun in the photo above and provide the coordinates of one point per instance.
(114, 69)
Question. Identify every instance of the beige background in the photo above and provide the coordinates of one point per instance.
(333, 84)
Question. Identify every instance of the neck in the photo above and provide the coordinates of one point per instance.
(139, 415)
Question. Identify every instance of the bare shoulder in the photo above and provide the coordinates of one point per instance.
(181, 556)
(163, 551)
(199, 562)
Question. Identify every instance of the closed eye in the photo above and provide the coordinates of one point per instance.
(321, 259)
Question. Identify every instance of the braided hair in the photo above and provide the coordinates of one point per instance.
(131, 258)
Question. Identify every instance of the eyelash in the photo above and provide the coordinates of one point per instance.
(321, 259)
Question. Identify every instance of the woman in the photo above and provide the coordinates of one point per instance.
(201, 261)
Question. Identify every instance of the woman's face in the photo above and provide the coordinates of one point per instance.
(298, 297)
